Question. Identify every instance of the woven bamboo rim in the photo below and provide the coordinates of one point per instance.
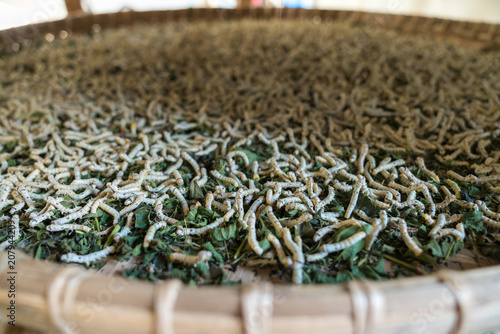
(57, 298)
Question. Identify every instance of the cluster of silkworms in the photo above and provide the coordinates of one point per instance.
(142, 123)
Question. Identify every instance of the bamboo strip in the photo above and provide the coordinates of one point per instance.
(109, 304)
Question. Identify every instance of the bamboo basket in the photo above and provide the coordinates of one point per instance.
(57, 298)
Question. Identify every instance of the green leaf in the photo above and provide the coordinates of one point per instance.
(434, 248)
(350, 252)
(345, 233)
(473, 219)
(202, 269)
(209, 247)
(195, 191)
(142, 217)
(111, 235)
(137, 250)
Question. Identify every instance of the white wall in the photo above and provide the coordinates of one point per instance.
(472, 10)
(21, 12)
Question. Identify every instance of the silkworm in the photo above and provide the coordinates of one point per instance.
(293, 246)
(294, 222)
(126, 229)
(68, 227)
(341, 186)
(202, 256)
(327, 200)
(453, 187)
(208, 201)
(111, 211)
(255, 170)
(362, 156)
(178, 178)
(458, 233)
(252, 209)
(440, 223)
(487, 211)
(285, 260)
(224, 179)
(412, 245)
(252, 237)
(87, 259)
(284, 201)
(240, 154)
(296, 206)
(387, 166)
(491, 222)
(274, 221)
(134, 205)
(151, 233)
(177, 193)
(183, 231)
(175, 166)
(159, 213)
(335, 247)
(354, 198)
(427, 172)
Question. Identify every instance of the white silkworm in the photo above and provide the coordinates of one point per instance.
(224, 179)
(240, 154)
(203, 256)
(274, 221)
(294, 222)
(111, 211)
(177, 193)
(151, 233)
(458, 233)
(336, 225)
(252, 209)
(342, 186)
(294, 247)
(454, 186)
(208, 150)
(178, 178)
(423, 168)
(491, 222)
(285, 260)
(409, 242)
(327, 200)
(328, 216)
(284, 201)
(252, 236)
(296, 206)
(487, 211)
(335, 247)
(440, 223)
(283, 185)
(175, 166)
(387, 166)
(137, 201)
(255, 170)
(92, 257)
(126, 229)
(183, 231)
(208, 201)
(354, 198)
(68, 227)
(74, 215)
(362, 156)
(159, 213)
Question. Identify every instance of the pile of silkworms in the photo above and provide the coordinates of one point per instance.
(277, 124)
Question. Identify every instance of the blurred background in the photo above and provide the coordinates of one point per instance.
(22, 12)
